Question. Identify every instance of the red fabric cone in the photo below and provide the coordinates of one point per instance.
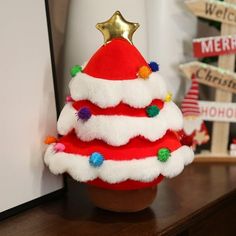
(117, 60)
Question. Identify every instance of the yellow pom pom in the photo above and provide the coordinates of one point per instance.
(144, 72)
(50, 140)
(168, 97)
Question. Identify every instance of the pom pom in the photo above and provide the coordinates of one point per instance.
(144, 72)
(74, 70)
(168, 97)
(59, 147)
(50, 140)
(152, 111)
(163, 154)
(154, 66)
(84, 113)
(69, 99)
(96, 159)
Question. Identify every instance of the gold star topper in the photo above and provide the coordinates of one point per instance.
(117, 27)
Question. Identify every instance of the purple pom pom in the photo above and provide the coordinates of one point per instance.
(154, 66)
(84, 113)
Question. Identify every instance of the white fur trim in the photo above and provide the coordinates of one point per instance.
(117, 130)
(109, 93)
(67, 119)
(192, 124)
(112, 171)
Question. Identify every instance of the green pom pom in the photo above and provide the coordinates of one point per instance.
(163, 154)
(74, 70)
(152, 111)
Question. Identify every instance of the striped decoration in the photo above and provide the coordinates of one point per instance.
(190, 106)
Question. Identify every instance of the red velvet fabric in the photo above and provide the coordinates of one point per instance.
(137, 148)
(121, 109)
(116, 60)
(126, 185)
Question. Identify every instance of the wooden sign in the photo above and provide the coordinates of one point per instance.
(218, 111)
(222, 77)
(213, 10)
(211, 75)
(214, 46)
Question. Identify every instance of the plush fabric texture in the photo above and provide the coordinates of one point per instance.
(137, 93)
(126, 185)
(113, 171)
(120, 109)
(116, 60)
(115, 123)
(138, 147)
(117, 130)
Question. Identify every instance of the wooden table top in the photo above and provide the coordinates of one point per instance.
(180, 203)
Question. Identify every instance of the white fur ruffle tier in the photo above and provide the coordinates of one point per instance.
(112, 171)
(104, 93)
(117, 130)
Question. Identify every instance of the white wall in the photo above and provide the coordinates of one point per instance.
(28, 111)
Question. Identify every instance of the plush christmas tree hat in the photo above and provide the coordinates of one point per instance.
(119, 125)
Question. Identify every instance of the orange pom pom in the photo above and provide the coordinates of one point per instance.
(144, 72)
(50, 140)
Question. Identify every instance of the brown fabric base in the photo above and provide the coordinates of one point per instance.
(122, 201)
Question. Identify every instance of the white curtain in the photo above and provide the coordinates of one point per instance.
(171, 28)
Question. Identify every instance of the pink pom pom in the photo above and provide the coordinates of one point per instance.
(69, 99)
(59, 147)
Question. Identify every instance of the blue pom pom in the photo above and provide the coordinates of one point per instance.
(154, 66)
(84, 113)
(96, 159)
